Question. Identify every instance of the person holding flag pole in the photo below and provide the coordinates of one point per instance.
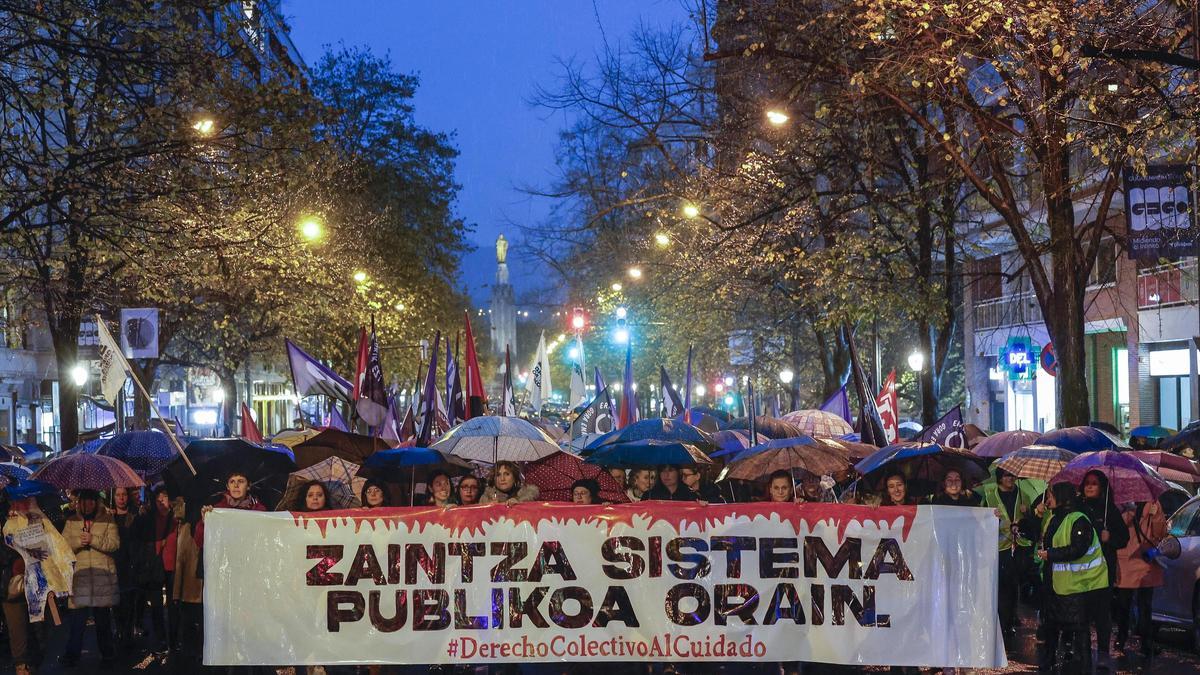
(112, 381)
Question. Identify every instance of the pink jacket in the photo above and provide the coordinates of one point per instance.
(1133, 570)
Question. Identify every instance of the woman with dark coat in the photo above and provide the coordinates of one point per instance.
(896, 491)
(953, 492)
(1113, 533)
(157, 532)
(1076, 572)
(670, 487)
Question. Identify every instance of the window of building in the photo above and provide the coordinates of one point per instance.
(989, 284)
(1104, 272)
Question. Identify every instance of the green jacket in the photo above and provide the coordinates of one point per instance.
(991, 497)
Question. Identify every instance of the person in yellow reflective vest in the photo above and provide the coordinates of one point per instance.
(1077, 572)
(1011, 506)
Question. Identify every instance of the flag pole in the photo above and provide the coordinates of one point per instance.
(153, 406)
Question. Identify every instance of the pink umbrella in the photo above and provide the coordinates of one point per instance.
(1129, 479)
(1169, 466)
(1000, 444)
(85, 471)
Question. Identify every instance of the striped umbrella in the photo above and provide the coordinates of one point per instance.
(88, 472)
(492, 438)
(339, 477)
(819, 423)
(1041, 462)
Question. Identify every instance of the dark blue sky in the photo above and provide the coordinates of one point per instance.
(480, 62)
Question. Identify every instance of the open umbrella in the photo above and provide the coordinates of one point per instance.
(1129, 479)
(1149, 437)
(769, 427)
(1170, 467)
(648, 453)
(328, 443)
(24, 488)
(1082, 439)
(927, 462)
(1040, 462)
(656, 429)
(1186, 442)
(803, 453)
(266, 467)
(820, 423)
(146, 452)
(339, 477)
(910, 430)
(14, 471)
(1000, 444)
(412, 463)
(293, 437)
(555, 474)
(730, 442)
(491, 439)
(853, 450)
(87, 472)
(11, 453)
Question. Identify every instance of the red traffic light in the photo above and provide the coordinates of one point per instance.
(578, 320)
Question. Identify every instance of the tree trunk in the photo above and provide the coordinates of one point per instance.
(66, 351)
(928, 391)
(146, 371)
(1065, 322)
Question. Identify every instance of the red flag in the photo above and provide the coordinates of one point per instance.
(888, 408)
(628, 412)
(250, 430)
(364, 358)
(476, 398)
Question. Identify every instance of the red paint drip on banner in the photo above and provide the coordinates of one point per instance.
(679, 515)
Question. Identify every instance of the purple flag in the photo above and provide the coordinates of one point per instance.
(626, 414)
(687, 389)
(947, 431)
(336, 421)
(313, 378)
(839, 404)
(671, 405)
(429, 402)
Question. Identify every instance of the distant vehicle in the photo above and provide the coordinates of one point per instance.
(1177, 601)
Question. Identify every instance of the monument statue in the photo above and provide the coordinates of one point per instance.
(501, 249)
(503, 307)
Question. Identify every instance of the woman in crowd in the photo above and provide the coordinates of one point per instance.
(374, 495)
(1113, 533)
(237, 496)
(468, 490)
(440, 489)
(781, 488)
(313, 497)
(508, 487)
(92, 535)
(669, 487)
(813, 492)
(125, 514)
(26, 638)
(585, 491)
(618, 474)
(896, 491)
(187, 592)
(704, 489)
(1138, 576)
(157, 538)
(639, 483)
(1078, 575)
(953, 492)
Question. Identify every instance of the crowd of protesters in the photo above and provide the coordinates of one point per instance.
(139, 574)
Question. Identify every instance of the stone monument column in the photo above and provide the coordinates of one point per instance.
(503, 307)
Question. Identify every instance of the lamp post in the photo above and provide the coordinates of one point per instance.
(916, 362)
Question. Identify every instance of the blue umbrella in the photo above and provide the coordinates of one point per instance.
(146, 452)
(23, 489)
(730, 442)
(89, 447)
(14, 471)
(405, 457)
(1082, 439)
(647, 453)
(657, 429)
(775, 444)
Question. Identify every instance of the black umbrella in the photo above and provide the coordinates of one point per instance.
(267, 468)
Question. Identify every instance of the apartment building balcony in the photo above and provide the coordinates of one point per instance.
(1169, 285)
(1017, 309)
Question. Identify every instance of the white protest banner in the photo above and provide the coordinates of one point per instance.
(655, 581)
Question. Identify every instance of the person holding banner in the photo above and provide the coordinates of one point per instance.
(585, 491)
(896, 491)
(699, 484)
(669, 488)
(237, 496)
(781, 487)
(952, 493)
(1078, 576)
(440, 490)
(1011, 507)
(374, 495)
(314, 496)
(508, 486)
(467, 493)
(640, 482)
(93, 537)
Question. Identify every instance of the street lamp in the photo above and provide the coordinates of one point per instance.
(635, 273)
(728, 380)
(617, 286)
(777, 117)
(700, 390)
(691, 210)
(79, 375)
(916, 361)
(622, 312)
(662, 239)
(786, 375)
(204, 126)
(360, 276)
(310, 229)
(621, 335)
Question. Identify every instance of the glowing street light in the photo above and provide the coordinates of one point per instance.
(728, 400)
(621, 335)
(719, 387)
(777, 117)
(204, 126)
(311, 229)
(360, 276)
(700, 390)
(617, 286)
(622, 312)
(662, 239)
(635, 273)
(399, 306)
(916, 361)
(786, 375)
(728, 380)
(691, 210)
(79, 375)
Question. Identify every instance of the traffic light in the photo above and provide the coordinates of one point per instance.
(621, 334)
(578, 320)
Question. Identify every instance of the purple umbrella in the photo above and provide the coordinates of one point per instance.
(85, 471)
(999, 445)
(1129, 478)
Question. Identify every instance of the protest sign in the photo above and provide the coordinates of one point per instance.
(653, 581)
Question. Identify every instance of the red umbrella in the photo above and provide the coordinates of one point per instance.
(555, 474)
(1170, 467)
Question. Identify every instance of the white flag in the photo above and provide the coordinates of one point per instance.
(538, 383)
(112, 363)
(578, 383)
